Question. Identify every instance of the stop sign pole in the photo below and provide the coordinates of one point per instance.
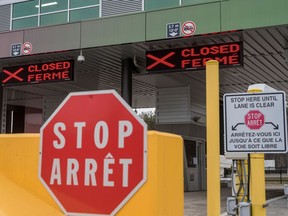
(93, 153)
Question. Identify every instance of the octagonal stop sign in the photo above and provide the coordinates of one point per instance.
(93, 153)
(254, 119)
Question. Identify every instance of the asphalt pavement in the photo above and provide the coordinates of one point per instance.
(196, 202)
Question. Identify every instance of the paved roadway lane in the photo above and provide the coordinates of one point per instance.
(195, 202)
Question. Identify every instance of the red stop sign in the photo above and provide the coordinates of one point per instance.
(93, 153)
(254, 119)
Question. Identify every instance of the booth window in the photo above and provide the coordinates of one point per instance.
(191, 155)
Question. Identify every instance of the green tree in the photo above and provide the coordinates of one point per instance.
(149, 118)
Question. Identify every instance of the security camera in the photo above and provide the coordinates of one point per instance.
(81, 58)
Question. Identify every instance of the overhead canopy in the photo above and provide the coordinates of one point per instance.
(264, 62)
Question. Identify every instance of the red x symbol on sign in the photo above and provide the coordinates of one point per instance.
(13, 75)
(160, 60)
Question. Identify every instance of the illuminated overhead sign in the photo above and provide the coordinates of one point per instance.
(194, 58)
(38, 73)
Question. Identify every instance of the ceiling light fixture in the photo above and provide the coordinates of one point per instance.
(47, 4)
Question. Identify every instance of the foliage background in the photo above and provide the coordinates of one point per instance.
(149, 118)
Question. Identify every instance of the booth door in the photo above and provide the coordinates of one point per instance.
(194, 167)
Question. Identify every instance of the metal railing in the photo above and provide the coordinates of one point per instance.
(276, 172)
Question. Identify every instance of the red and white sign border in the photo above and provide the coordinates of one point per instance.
(183, 25)
(24, 45)
(145, 148)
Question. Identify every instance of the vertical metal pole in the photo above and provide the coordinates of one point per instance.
(257, 180)
(257, 185)
(281, 175)
(213, 138)
(126, 80)
(242, 183)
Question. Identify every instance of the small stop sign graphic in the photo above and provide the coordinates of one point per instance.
(254, 119)
(93, 153)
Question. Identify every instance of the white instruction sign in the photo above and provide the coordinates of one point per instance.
(255, 122)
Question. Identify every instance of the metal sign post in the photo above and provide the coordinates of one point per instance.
(256, 123)
(213, 138)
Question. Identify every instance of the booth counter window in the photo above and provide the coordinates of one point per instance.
(36, 13)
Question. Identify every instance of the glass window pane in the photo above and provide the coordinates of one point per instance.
(81, 3)
(25, 23)
(82, 14)
(53, 19)
(25, 8)
(153, 5)
(53, 5)
(191, 156)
